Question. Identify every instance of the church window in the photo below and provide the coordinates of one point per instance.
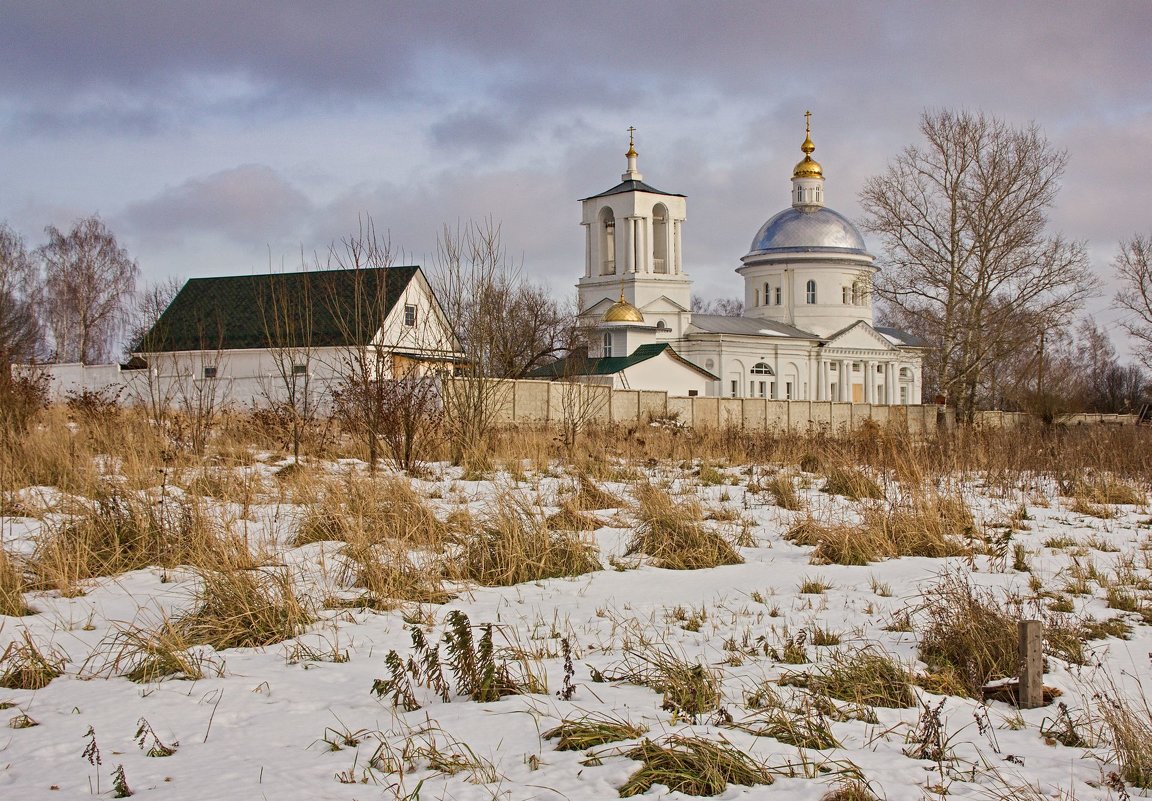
(735, 388)
(762, 368)
(409, 315)
(787, 390)
(607, 243)
(660, 239)
(209, 372)
(709, 365)
(905, 373)
(810, 290)
(607, 346)
(763, 389)
(662, 326)
(778, 293)
(844, 293)
(903, 396)
(772, 390)
(299, 369)
(819, 195)
(767, 293)
(692, 393)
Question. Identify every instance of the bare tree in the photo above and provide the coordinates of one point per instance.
(477, 285)
(88, 284)
(286, 311)
(382, 395)
(19, 288)
(150, 302)
(967, 255)
(728, 307)
(1133, 265)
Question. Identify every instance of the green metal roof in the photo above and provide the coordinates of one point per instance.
(609, 365)
(337, 307)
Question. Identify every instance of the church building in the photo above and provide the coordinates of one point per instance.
(806, 332)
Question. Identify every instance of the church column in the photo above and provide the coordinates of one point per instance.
(822, 381)
(845, 380)
(587, 250)
(676, 246)
(629, 246)
(889, 383)
(869, 382)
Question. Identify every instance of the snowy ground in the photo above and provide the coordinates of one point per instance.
(276, 726)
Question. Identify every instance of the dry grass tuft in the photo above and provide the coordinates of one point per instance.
(587, 496)
(124, 530)
(371, 509)
(12, 588)
(1127, 729)
(929, 525)
(512, 543)
(25, 666)
(672, 534)
(392, 574)
(1102, 488)
(851, 483)
(569, 518)
(145, 655)
(784, 492)
(867, 676)
(850, 790)
(591, 731)
(244, 609)
(968, 633)
(692, 766)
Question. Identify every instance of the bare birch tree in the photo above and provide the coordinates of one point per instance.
(1133, 266)
(963, 218)
(89, 281)
(20, 332)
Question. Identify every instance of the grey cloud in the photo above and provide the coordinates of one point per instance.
(248, 203)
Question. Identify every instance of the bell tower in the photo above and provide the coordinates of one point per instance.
(632, 251)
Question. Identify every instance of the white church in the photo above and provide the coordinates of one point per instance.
(806, 332)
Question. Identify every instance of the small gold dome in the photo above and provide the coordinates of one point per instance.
(623, 312)
(808, 168)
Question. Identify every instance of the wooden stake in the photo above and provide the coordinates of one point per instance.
(1031, 663)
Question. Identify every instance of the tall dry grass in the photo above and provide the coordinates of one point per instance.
(512, 542)
(673, 535)
(13, 585)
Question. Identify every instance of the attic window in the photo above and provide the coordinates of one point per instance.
(662, 326)
(409, 315)
(209, 372)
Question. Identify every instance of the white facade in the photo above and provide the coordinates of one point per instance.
(807, 331)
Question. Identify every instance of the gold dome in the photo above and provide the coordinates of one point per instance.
(808, 168)
(623, 312)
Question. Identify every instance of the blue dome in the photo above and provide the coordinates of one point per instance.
(807, 229)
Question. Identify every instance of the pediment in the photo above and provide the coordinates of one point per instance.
(662, 305)
(597, 308)
(859, 336)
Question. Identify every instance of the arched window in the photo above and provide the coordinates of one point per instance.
(767, 289)
(607, 242)
(660, 239)
(905, 373)
(810, 290)
(778, 291)
(607, 348)
(662, 326)
(762, 368)
(856, 294)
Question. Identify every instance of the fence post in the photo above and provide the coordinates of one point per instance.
(1031, 683)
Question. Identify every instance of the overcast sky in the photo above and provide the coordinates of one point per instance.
(215, 137)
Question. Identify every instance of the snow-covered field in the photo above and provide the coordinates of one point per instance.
(299, 719)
